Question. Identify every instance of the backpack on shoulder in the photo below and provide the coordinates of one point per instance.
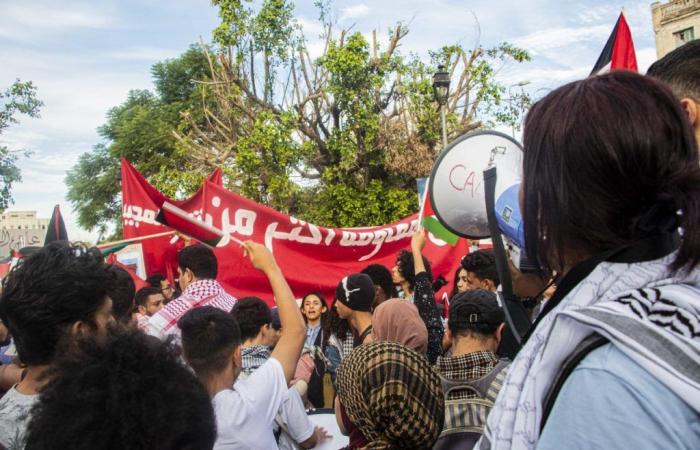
(465, 418)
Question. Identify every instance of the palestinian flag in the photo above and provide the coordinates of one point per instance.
(56, 228)
(619, 50)
(430, 222)
(178, 219)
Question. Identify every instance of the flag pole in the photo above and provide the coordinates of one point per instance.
(136, 239)
(422, 205)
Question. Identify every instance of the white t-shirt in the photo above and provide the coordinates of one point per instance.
(14, 417)
(245, 414)
(296, 420)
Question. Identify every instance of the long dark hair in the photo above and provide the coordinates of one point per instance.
(608, 161)
(325, 316)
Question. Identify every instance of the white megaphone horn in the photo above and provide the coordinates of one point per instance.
(478, 169)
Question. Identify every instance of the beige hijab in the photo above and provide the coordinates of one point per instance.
(398, 321)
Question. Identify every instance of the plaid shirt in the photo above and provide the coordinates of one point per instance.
(200, 293)
(469, 367)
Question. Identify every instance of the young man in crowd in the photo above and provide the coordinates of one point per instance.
(383, 285)
(149, 300)
(680, 69)
(128, 392)
(121, 290)
(354, 298)
(292, 425)
(162, 283)
(211, 343)
(197, 270)
(481, 270)
(475, 328)
(48, 301)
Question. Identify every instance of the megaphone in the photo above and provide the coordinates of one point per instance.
(456, 189)
(474, 190)
(510, 222)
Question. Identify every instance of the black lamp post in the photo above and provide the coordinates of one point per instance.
(441, 88)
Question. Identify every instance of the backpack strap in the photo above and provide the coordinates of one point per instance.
(485, 387)
(582, 350)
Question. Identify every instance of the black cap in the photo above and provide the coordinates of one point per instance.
(356, 291)
(477, 306)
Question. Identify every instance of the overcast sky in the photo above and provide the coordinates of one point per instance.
(85, 56)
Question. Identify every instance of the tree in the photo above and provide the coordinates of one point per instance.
(19, 98)
(337, 140)
(140, 130)
(354, 126)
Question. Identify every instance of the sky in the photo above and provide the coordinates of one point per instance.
(85, 56)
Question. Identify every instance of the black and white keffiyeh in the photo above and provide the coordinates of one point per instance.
(645, 309)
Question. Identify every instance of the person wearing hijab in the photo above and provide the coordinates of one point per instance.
(398, 321)
(391, 397)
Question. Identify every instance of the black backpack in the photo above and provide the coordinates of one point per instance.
(465, 418)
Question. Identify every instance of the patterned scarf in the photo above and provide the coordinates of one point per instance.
(392, 395)
(644, 309)
(253, 357)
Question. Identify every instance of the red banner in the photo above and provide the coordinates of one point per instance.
(312, 258)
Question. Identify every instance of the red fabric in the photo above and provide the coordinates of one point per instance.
(312, 258)
(141, 202)
(139, 282)
(623, 55)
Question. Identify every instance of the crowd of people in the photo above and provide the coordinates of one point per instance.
(610, 200)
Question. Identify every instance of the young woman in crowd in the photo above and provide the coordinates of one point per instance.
(611, 201)
(388, 398)
(412, 273)
(315, 311)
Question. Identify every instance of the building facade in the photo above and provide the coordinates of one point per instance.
(675, 23)
(20, 229)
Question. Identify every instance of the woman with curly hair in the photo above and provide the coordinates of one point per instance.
(412, 273)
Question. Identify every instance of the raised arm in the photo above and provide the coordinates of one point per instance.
(424, 299)
(293, 335)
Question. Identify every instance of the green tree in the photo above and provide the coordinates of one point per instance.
(353, 127)
(337, 140)
(19, 98)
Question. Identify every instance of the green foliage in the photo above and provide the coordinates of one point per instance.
(337, 140)
(19, 98)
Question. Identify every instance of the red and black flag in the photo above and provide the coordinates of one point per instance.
(57, 228)
(619, 50)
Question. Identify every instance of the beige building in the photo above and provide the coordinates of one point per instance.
(675, 23)
(20, 229)
(22, 220)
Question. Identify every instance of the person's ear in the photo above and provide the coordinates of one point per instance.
(141, 309)
(79, 328)
(499, 333)
(692, 109)
(236, 359)
(488, 284)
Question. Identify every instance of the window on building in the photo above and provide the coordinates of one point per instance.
(684, 36)
(43, 227)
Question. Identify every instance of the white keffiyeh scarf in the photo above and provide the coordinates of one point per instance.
(646, 310)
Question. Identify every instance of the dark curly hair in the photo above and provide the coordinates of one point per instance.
(381, 276)
(251, 313)
(121, 289)
(483, 264)
(47, 293)
(127, 392)
(404, 261)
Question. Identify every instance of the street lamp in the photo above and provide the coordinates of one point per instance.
(441, 88)
(510, 100)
